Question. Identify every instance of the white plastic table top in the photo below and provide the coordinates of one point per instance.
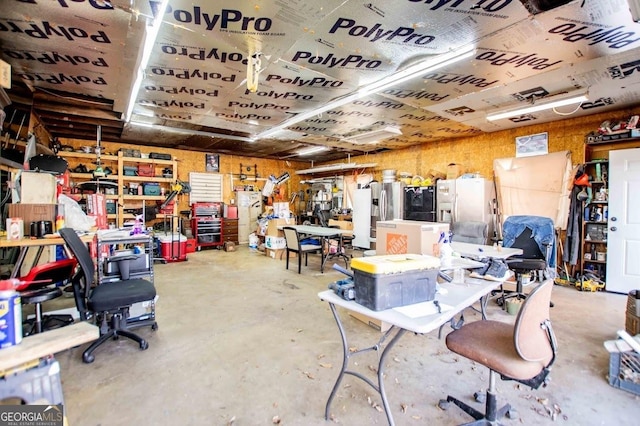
(480, 251)
(458, 297)
(319, 231)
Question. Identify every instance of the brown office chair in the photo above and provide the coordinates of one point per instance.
(294, 245)
(523, 352)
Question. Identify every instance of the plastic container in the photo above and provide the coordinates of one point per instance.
(624, 366)
(10, 316)
(173, 248)
(384, 282)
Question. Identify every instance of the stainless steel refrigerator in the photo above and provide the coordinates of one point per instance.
(460, 200)
(378, 201)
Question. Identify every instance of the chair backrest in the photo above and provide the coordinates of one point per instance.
(51, 272)
(527, 231)
(531, 338)
(83, 279)
(470, 232)
(323, 217)
(292, 238)
(526, 242)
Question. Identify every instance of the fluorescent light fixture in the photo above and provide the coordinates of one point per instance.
(311, 150)
(151, 34)
(417, 69)
(374, 135)
(439, 61)
(190, 132)
(541, 105)
(335, 168)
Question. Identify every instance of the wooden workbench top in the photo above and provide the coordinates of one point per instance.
(34, 242)
(50, 342)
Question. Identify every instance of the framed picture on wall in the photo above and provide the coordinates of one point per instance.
(212, 162)
(527, 146)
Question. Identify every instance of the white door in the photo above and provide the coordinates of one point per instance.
(623, 237)
(361, 218)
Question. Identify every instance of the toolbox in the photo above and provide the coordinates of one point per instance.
(159, 156)
(389, 281)
(130, 170)
(151, 188)
(146, 170)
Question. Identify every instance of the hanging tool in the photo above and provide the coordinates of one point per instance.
(177, 188)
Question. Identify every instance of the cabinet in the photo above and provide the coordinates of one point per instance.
(207, 224)
(126, 191)
(230, 230)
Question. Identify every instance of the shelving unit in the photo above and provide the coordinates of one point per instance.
(122, 195)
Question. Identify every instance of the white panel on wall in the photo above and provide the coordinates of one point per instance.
(205, 187)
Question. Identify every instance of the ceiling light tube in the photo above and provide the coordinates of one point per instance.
(311, 150)
(151, 34)
(415, 70)
(412, 71)
(191, 132)
(541, 105)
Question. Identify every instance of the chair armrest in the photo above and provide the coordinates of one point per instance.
(122, 257)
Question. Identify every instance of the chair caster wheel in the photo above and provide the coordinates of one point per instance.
(479, 397)
(88, 358)
(443, 404)
(144, 345)
(154, 326)
(512, 414)
(500, 301)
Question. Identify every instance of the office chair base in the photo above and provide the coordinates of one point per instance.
(492, 417)
(87, 355)
(48, 322)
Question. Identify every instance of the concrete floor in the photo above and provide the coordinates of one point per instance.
(242, 341)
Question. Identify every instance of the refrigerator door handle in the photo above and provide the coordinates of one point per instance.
(454, 210)
(383, 205)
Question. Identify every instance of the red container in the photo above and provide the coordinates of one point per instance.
(232, 212)
(191, 245)
(147, 170)
(173, 248)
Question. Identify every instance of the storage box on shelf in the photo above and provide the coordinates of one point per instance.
(151, 182)
(129, 171)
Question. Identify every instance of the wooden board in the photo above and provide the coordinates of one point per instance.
(47, 343)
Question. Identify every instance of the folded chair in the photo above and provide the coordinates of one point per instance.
(108, 303)
(524, 351)
(41, 285)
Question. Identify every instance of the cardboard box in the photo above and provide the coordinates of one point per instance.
(408, 236)
(37, 188)
(275, 243)
(272, 226)
(342, 224)
(278, 254)
(32, 213)
(454, 171)
(371, 322)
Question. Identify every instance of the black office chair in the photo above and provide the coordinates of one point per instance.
(108, 303)
(533, 258)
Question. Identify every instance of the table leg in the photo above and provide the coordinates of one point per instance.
(346, 355)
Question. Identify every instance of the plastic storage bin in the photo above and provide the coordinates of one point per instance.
(384, 282)
(624, 366)
(151, 188)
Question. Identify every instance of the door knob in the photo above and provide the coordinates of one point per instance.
(613, 219)
(613, 228)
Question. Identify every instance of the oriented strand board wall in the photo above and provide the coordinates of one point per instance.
(193, 161)
(476, 154)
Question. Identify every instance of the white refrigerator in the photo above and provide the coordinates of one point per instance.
(472, 199)
(249, 208)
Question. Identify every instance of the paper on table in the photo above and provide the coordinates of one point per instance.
(422, 309)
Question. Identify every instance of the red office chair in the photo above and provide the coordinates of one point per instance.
(39, 287)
